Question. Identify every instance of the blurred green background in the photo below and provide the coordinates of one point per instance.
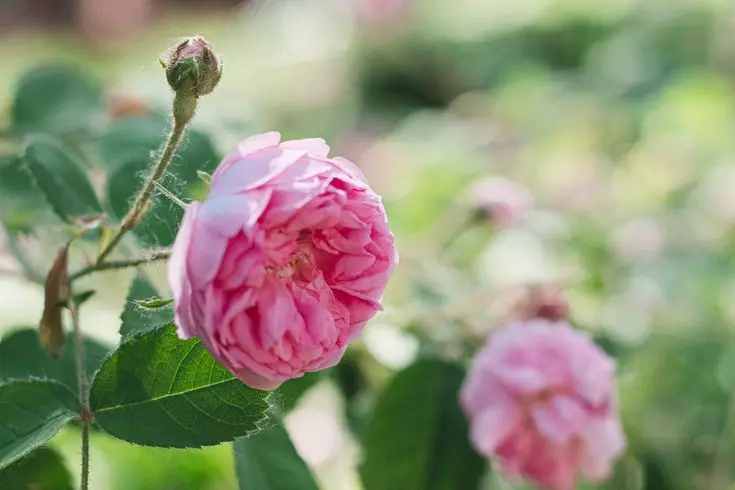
(618, 115)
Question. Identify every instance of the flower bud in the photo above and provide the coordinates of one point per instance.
(192, 68)
(545, 301)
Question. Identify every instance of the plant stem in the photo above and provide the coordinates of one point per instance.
(153, 256)
(142, 200)
(86, 413)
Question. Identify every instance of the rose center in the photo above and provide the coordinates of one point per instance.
(293, 258)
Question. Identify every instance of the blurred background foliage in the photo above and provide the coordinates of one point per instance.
(618, 116)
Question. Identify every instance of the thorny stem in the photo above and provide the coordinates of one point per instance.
(143, 198)
(153, 256)
(83, 388)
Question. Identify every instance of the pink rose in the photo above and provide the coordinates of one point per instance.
(541, 397)
(284, 263)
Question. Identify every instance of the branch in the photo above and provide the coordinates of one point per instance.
(153, 256)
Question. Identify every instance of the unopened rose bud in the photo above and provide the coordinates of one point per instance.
(192, 68)
(545, 301)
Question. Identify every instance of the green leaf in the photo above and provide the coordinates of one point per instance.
(79, 298)
(154, 303)
(292, 390)
(417, 438)
(56, 99)
(43, 469)
(62, 181)
(22, 357)
(22, 205)
(137, 320)
(31, 413)
(268, 461)
(158, 390)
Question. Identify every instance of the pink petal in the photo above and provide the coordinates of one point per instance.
(257, 381)
(218, 221)
(315, 146)
(493, 425)
(560, 418)
(250, 145)
(255, 170)
(346, 166)
(604, 441)
(277, 312)
(177, 274)
(176, 270)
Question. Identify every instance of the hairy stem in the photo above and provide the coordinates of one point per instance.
(153, 256)
(83, 388)
(142, 200)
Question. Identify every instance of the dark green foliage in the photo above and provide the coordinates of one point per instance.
(22, 357)
(61, 179)
(268, 460)
(56, 99)
(31, 413)
(292, 390)
(42, 469)
(417, 438)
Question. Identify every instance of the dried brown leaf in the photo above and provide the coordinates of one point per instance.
(51, 328)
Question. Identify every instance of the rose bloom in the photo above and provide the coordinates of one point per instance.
(284, 263)
(541, 398)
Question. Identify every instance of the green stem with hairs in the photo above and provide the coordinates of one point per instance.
(152, 256)
(85, 415)
(184, 108)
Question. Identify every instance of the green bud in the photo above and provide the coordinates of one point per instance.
(192, 68)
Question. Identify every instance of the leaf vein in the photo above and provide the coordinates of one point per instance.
(164, 396)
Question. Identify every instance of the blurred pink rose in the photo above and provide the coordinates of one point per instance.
(284, 263)
(541, 397)
(502, 200)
